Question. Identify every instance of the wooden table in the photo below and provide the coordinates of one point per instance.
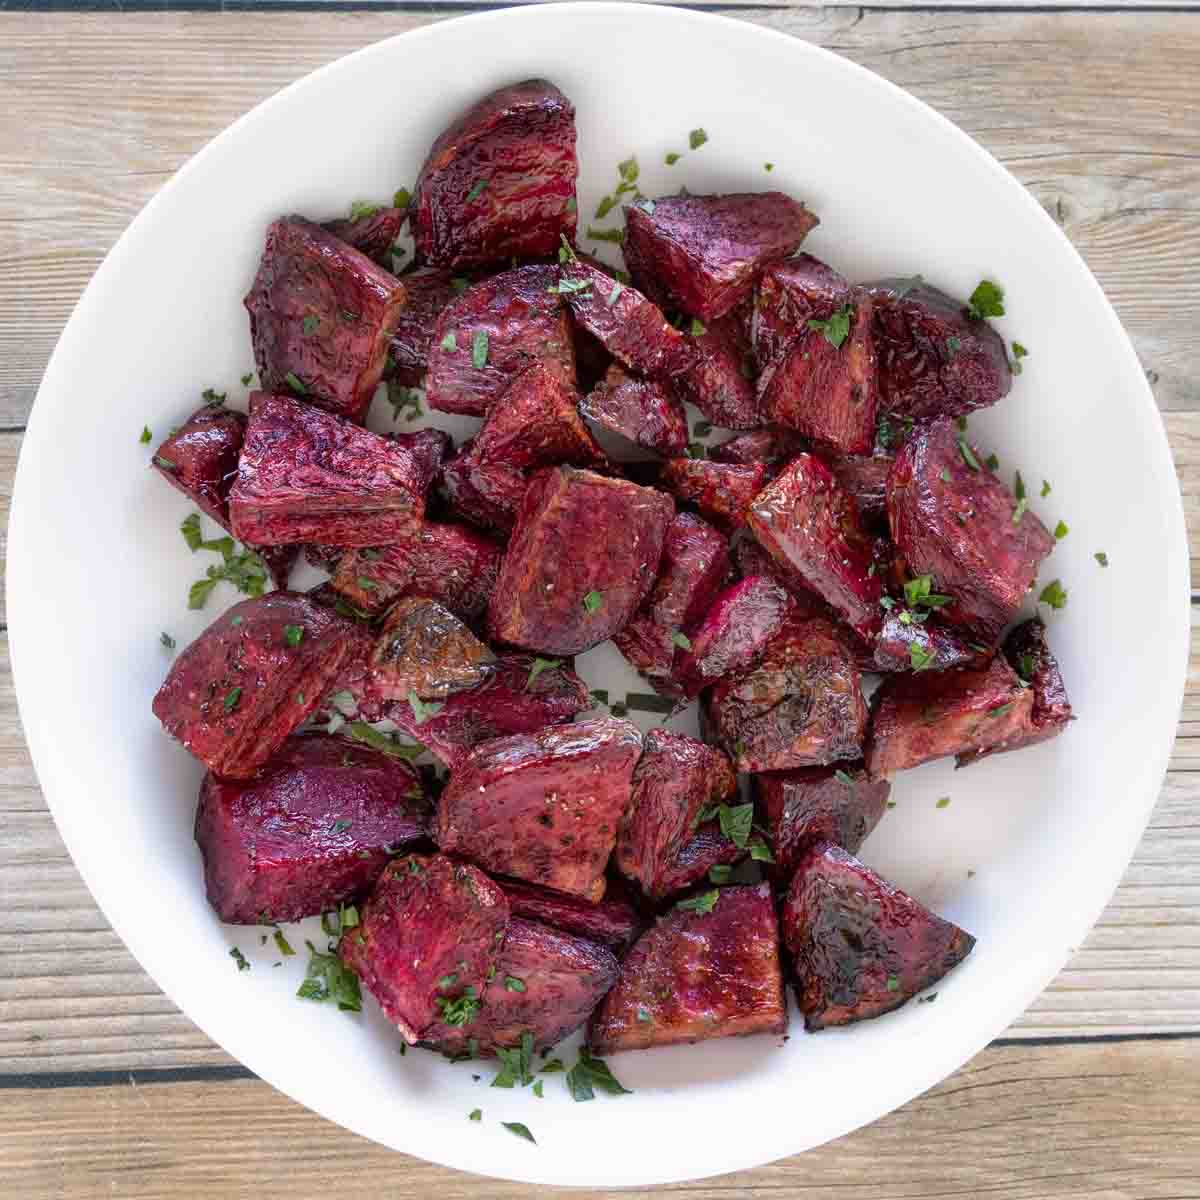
(105, 1088)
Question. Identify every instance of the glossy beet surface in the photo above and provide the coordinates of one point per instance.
(429, 290)
(486, 495)
(314, 828)
(242, 686)
(612, 921)
(307, 476)
(423, 649)
(492, 332)
(766, 445)
(582, 558)
(373, 233)
(642, 411)
(707, 848)
(723, 492)
(864, 479)
(952, 519)
(811, 527)
(703, 253)
(927, 646)
(543, 807)
(718, 379)
(427, 938)
(698, 975)
(500, 181)
(676, 779)
(861, 947)
(321, 316)
(801, 705)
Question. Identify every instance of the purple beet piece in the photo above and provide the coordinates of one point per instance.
(352, 695)
(491, 333)
(861, 946)
(423, 649)
(553, 595)
(723, 492)
(864, 479)
(817, 804)
(545, 806)
(546, 984)
(933, 714)
(934, 359)
(704, 253)
(246, 682)
(313, 828)
(802, 705)
(923, 646)
(734, 632)
(707, 848)
(642, 411)
(767, 445)
(522, 694)
(373, 234)
(324, 558)
(811, 527)
(321, 316)
(307, 476)
(592, 361)
(953, 519)
(717, 379)
(499, 183)
(676, 779)
(430, 447)
(485, 494)
(429, 290)
(612, 921)
(698, 975)
(427, 938)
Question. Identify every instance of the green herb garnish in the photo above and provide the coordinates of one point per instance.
(513, 984)
(421, 710)
(944, 802)
(476, 190)
(450, 342)
(672, 158)
(697, 138)
(605, 207)
(705, 902)
(516, 1064)
(893, 983)
(147, 436)
(968, 454)
(1061, 530)
(329, 980)
(590, 1074)
(311, 325)
(1019, 352)
(360, 731)
(1054, 594)
(231, 698)
(1101, 558)
(521, 1130)
(247, 379)
(461, 1010)
(698, 328)
(593, 601)
(987, 300)
(616, 236)
(293, 635)
(736, 822)
(540, 665)
(295, 383)
(837, 328)
(285, 947)
(476, 1114)
(921, 658)
(239, 958)
(479, 348)
(681, 640)
(166, 641)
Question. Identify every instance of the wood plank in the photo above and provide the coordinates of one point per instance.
(1106, 1121)
(1121, 169)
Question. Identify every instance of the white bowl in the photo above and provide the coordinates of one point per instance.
(1032, 843)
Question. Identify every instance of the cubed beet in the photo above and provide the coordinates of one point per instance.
(427, 942)
(723, 492)
(313, 828)
(707, 848)
(485, 494)
(717, 379)
(768, 445)
(953, 519)
(698, 975)
(861, 946)
(555, 596)
(249, 679)
(307, 476)
(429, 290)
(704, 253)
(545, 806)
(372, 233)
(642, 411)
(321, 316)
(612, 921)
(864, 479)
(430, 447)
(423, 649)
(499, 182)
(923, 645)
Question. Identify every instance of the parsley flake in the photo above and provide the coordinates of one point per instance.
(421, 710)
(705, 902)
(539, 1089)
(629, 170)
(247, 379)
(893, 983)
(450, 342)
(479, 348)
(166, 641)
(768, 166)
(968, 454)
(295, 383)
(736, 822)
(943, 802)
(239, 958)
(698, 328)
(616, 236)
(311, 325)
(329, 981)
(672, 158)
(521, 1130)
(231, 698)
(1101, 558)
(1019, 352)
(605, 207)
(992, 462)
(476, 1114)
(1018, 486)
(1061, 530)
(513, 984)
(697, 138)
(461, 1010)
(147, 436)
(285, 947)
(340, 826)
(681, 640)
(588, 1075)
(293, 634)
(837, 328)
(476, 190)
(921, 658)
(593, 601)
(540, 665)
(1019, 511)
(1054, 594)
(987, 300)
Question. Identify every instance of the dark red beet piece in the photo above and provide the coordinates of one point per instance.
(612, 921)
(429, 290)
(717, 379)
(487, 495)
(544, 806)
(928, 646)
(424, 649)
(374, 234)
(767, 445)
(953, 519)
(817, 804)
(708, 848)
(864, 479)
(934, 360)
(504, 324)
(241, 687)
(723, 492)
(324, 558)
(640, 410)
(592, 361)
(314, 828)
(861, 946)
(933, 714)
(427, 938)
(675, 780)
(512, 699)
(698, 975)
(353, 686)
(802, 705)
(811, 527)
(321, 316)
(704, 253)
(499, 183)
(430, 447)
(554, 594)
(307, 476)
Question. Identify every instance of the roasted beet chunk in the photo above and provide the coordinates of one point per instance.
(811, 527)
(425, 650)
(546, 984)
(864, 479)
(934, 359)
(429, 290)
(556, 595)
(487, 495)
(499, 183)
(954, 520)
(717, 379)
(723, 492)
(521, 694)
(612, 920)
(708, 848)
(493, 332)
(817, 804)
(927, 715)
(250, 678)
(766, 445)
(545, 806)
(923, 646)
(374, 233)
(321, 315)
(802, 705)
(703, 253)
(642, 411)
(706, 971)
(427, 940)
(861, 946)
(675, 781)
(307, 476)
(315, 827)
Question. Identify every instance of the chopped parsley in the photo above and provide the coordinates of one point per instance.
(539, 1089)
(837, 328)
(1054, 594)
(1061, 530)
(329, 981)
(1019, 511)
(616, 236)
(572, 205)
(476, 190)
(593, 601)
(698, 328)
(361, 209)
(843, 778)
(553, 1066)
(513, 984)
(522, 1131)
(768, 166)
(516, 1064)
(450, 342)
(921, 658)
(340, 827)
(1000, 710)
(165, 463)
(421, 710)
(360, 731)
(295, 383)
(239, 958)
(285, 947)
(968, 454)
(461, 1010)
(760, 851)
(479, 348)
(736, 822)
(681, 640)
(945, 475)
(629, 170)
(697, 138)
(166, 641)
(147, 436)
(460, 284)
(476, 1114)
(919, 593)
(672, 158)
(893, 983)
(943, 802)
(590, 1074)
(987, 300)
(605, 207)
(1101, 558)
(311, 325)
(600, 695)
(247, 379)
(1019, 352)
(402, 198)
(718, 874)
(405, 401)
(540, 665)
(231, 698)
(293, 635)
(992, 462)
(1046, 489)
(1018, 486)
(953, 346)
(213, 398)
(705, 902)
